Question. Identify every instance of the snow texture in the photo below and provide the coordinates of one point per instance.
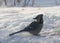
(15, 19)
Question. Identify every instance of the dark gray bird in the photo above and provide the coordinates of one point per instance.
(34, 28)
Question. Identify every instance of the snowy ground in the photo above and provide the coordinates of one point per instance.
(15, 19)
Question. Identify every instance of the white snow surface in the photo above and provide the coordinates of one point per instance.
(14, 19)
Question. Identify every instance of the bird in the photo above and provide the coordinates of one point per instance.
(33, 28)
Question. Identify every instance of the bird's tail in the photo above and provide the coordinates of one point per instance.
(16, 32)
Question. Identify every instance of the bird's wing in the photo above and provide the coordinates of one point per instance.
(31, 27)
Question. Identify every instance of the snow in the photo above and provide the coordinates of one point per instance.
(14, 19)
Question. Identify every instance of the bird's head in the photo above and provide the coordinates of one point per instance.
(39, 18)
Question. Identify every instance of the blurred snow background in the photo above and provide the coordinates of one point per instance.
(29, 3)
(14, 17)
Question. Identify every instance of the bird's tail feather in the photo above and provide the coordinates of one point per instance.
(16, 32)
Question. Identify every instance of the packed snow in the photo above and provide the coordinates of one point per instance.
(15, 19)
